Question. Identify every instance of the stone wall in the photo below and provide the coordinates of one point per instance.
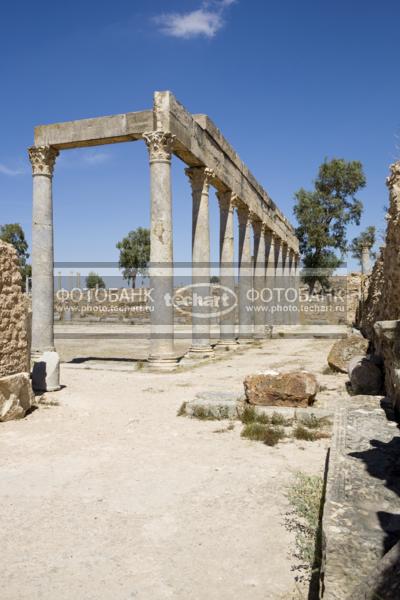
(15, 387)
(379, 312)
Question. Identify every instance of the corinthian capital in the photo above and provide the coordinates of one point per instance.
(159, 144)
(200, 177)
(43, 159)
(394, 177)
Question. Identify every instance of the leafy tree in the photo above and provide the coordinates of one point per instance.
(367, 239)
(134, 254)
(13, 234)
(93, 281)
(214, 279)
(323, 215)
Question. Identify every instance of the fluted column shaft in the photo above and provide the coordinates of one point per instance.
(246, 327)
(162, 354)
(227, 274)
(200, 178)
(259, 279)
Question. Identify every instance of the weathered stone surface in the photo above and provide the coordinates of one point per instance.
(365, 376)
(14, 356)
(381, 298)
(383, 583)
(362, 512)
(16, 396)
(217, 405)
(344, 350)
(298, 388)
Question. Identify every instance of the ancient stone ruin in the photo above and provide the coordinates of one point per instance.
(15, 386)
(170, 129)
(379, 314)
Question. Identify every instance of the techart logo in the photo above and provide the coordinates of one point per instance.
(199, 301)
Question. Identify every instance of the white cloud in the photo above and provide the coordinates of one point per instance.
(4, 170)
(96, 158)
(205, 21)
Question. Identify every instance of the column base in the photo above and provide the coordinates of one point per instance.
(45, 371)
(199, 352)
(162, 363)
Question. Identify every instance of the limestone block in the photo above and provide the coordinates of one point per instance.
(217, 405)
(365, 376)
(344, 350)
(46, 372)
(298, 388)
(16, 396)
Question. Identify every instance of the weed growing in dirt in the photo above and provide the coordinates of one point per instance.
(309, 435)
(306, 496)
(205, 414)
(249, 415)
(278, 419)
(261, 432)
(313, 422)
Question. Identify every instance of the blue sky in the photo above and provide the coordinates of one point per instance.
(288, 83)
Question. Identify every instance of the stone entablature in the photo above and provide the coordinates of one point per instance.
(197, 142)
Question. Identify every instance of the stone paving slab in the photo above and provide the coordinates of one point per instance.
(361, 520)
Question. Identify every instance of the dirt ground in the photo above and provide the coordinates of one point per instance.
(107, 494)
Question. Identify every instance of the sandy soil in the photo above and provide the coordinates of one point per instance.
(109, 495)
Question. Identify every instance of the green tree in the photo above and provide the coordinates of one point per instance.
(93, 281)
(367, 238)
(134, 254)
(13, 234)
(323, 215)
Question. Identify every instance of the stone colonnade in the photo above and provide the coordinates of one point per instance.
(269, 269)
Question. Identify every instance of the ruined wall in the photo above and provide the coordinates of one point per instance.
(14, 339)
(379, 314)
(15, 387)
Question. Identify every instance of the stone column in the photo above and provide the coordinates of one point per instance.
(296, 320)
(45, 373)
(246, 327)
(200, 179)
(291, 287)
(269, 279)
(278, 291)
(259, 279)
(227, 274)
(365, 262)
(286, 285)
(162, 352)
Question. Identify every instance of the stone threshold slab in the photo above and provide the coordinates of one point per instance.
(361, 519)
